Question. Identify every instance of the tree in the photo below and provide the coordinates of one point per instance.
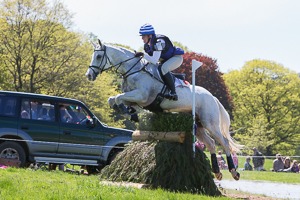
(39, 54)
(267, 106)
(208, 76)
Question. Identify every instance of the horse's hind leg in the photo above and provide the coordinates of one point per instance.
(216, 132)
(211, 122)
(203, 136)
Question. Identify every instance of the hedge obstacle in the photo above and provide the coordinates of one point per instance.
(172, 166)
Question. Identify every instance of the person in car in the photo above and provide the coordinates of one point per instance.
(64, 114)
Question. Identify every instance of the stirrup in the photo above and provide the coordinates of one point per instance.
(171, 96)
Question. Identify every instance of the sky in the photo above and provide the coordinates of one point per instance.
(230, 31)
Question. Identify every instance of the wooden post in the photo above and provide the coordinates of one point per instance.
(156, 135)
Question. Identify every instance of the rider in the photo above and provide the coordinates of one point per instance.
(159, 48)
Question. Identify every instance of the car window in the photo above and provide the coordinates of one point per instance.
(72, 113)
(8, 106)
(37, 110)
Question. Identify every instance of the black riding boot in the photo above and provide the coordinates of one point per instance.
(169, 81)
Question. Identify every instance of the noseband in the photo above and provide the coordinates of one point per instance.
(102, 64)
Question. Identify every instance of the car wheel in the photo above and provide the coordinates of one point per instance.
(12, 154)
(113, 154)
(93, 169)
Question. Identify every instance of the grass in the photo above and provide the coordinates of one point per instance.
(268, 175)
(28, 184)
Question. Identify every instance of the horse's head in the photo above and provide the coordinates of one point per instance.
(100, 61)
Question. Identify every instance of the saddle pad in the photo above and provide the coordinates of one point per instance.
(181, 83)
(154, 71)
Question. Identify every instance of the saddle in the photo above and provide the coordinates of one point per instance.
(179, 81)
(157, 73)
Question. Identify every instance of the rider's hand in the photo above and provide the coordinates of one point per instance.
(138, 54)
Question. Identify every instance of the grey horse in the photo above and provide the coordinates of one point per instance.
(143, 87)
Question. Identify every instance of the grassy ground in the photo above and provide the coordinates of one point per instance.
(41, 184)
(29, 184)
(268, 175)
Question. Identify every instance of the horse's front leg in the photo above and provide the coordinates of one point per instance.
(136, 96)
(121, 101)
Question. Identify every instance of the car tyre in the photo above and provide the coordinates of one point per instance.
(12, 151)
(113, 154)
(94, 169)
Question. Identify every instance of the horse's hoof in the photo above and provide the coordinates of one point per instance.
(219, 176)
(235, 175)
(123, 109)
(115, 107)
(131, 109)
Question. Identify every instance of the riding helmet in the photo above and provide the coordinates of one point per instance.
(147, 29)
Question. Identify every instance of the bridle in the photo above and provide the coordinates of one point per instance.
(101, 67)
(105, 57)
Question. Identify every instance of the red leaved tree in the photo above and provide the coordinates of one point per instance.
(207, 76)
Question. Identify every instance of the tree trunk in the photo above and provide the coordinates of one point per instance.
(156, 135)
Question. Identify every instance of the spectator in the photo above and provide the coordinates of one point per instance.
(64, 114)
(221, 161)
(25, 115)
(258, 160)
(278, 164)
(25, 110)
(235, 159)
(247, 165)
(44, 114)
(34, 110)
(287, 163)
(294, 167)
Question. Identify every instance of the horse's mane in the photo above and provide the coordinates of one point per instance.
(127, 52)
(121, 48)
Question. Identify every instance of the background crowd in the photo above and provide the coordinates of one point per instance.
(280, 164)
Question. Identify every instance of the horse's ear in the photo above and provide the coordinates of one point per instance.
(94, 45)
(100, 43)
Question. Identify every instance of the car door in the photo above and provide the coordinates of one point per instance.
(8, 115)
(35, 124)
(77, 138)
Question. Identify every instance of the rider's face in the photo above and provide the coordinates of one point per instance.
(145, 38)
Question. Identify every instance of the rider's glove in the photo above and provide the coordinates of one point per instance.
(138, 54)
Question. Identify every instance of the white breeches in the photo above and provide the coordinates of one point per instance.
(172, 64)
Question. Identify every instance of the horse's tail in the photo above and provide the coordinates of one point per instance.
(224, 125)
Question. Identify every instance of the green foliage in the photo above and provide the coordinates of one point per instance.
(267, 106)
(165, 122)
(38, 54)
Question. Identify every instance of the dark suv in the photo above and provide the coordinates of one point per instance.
(38, 128)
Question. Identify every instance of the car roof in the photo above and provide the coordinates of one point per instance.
(34, 95)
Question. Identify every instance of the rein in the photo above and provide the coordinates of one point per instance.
(117, 66)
